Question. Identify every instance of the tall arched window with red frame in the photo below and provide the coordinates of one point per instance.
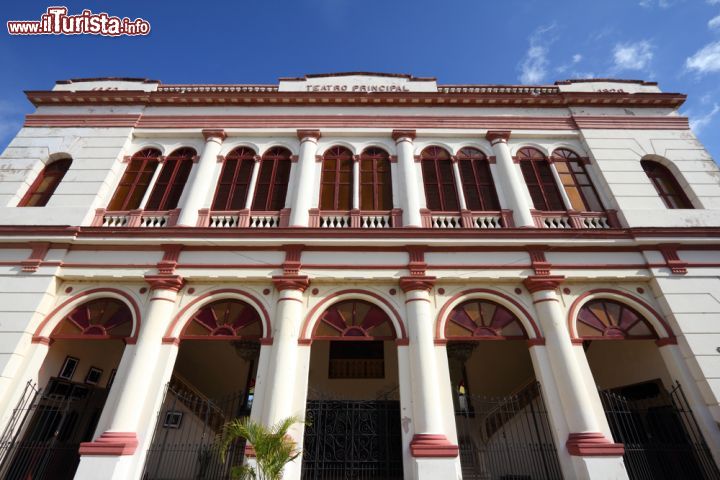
(135, 181)
(46, 183)
(477, 181)
(540, 180)
(576, 181)
(375, 180)
(440, 191)
(234, 183)
(666, 185)
(169, 186)
(272, 180)
(336, 179)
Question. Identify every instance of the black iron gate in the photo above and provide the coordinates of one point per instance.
(44, 434)
(185, 439)
(661, 437)
(506, 437)
(352, 440)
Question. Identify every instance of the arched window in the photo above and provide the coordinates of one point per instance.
(354, 320)
(576, 181)
(135, 181)
(440, 192)
(540, 181)
(607, 319)
(666, 185)
(224, 318)
(45, 184)
(336, 179)
(272, 182)
(477, 181)
(232, 188)
(375, 180)
(482, 319)
(171, 181)
(101, 318)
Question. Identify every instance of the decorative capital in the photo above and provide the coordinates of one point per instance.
(209, 133)
(257, 158)
(424, 282)
(356, 158)
(291, 282)
(453, 158)
(305, 134)
(398, 134)
(542, 283)
(494, 136)
(165, 282)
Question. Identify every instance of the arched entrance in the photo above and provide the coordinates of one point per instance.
(212, 383)
(353, 408)
(63, 409)
(645, 405)
(501, 421)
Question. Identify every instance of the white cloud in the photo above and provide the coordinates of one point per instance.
(576, 58)
(713, 2)
(659, 3)
(714, 22)
(534, 65)
(633, 56)
(697, 124)
(706, 60)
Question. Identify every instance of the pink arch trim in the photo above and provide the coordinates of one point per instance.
(327, 301)
(442, 316)
(597, 294)
(264, 317)
(37, 338)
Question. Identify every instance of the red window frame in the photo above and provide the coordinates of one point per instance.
(375, 180)
(135, 181)
(170, 183)
(234, 182)
(336, 179)
(574, 175)
(477, 180)
(439, 180)
(272, 181)
(666, 185)
(47, 181)
(540, 181)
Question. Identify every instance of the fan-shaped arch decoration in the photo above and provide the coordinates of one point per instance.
(481, 319)
(605, 319)
(224, 318)
(354, 320)
(103, 318)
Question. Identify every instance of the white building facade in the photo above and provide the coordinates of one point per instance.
(445, 281)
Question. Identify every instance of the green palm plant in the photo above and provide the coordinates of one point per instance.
(273, 447)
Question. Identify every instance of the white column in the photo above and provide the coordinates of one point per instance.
(596, 456)
(356, 182)
(458, 183)
(302, 194)
(253, 182)
(409, 183)
(509, 180)
(152, 183)
(679, 371)
(561, 187)
(200, 179)
(433, 453)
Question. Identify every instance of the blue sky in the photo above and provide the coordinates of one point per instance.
(674, 42)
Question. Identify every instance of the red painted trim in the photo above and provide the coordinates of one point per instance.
(442, 316)
(535, 342)
(111, 444)
(165, 282)
(402, 342)
(417, 300)
(42, 340)
(209, 133)
(426, 445)
(199, 302)
(421, 282)
(535, 302)
(36, 257)
(75, 298)
(661, 342)
(597, 294)
(542, 283)
(291, 282)
(593, 444)
(327, 301)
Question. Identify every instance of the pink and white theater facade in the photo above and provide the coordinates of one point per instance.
(445, 281)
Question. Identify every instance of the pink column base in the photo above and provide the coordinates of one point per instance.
(593, 444)
(111, 443)
(432, 445)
